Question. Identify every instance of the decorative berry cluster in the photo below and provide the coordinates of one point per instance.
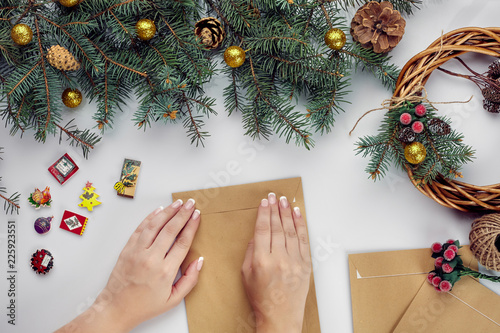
(414, 121)
(448, 265)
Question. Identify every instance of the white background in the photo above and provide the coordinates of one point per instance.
(347, 212)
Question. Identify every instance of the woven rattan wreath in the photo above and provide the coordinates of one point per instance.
(447, 192)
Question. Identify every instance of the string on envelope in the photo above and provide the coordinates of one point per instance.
(473, 308)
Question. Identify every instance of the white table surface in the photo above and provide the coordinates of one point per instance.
(347, 212)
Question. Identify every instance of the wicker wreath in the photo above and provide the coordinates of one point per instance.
(447, 192)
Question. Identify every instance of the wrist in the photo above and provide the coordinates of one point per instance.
(286, 326)
(108, 314)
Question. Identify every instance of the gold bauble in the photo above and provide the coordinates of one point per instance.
(415, 153)
(21, 34)
(335, 39)
(71, 97)
(146, 29)
(234, 56)
(68, 3)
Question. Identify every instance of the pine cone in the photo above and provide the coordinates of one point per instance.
(60, 58)
(491, 93)
(438, 127)
(407, 135)
(210, 31)
(378, 26)
(494, 70)
(491, 107)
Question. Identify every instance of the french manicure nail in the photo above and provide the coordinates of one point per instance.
(157, 210)
(196, 214)
(272, 198)
(199, 265)
(284, 202)
(264, 203)
(189, 204)
(297, 211)
(177, 203)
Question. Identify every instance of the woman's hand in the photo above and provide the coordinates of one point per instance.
(277, 267)
(141, 286)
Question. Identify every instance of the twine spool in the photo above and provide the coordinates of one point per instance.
(485, 241)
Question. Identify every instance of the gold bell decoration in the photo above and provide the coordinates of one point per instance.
(69, 3)
(234, 56)
(60, 58)
(335, 39)
(71, 97)
(146, 29)
(415, 153)
(21, 34)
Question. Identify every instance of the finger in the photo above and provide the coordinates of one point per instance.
(292, 244)
(247, 262)
(135, 235)
(171, 228)
(149, 229)
(300, 227)
(182, 244)
(187, 282)
(277, 236)
(262, 233)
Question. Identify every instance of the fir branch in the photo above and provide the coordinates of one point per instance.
(78, 138)
(42, 59)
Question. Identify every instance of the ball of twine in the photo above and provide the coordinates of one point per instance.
(485, 241)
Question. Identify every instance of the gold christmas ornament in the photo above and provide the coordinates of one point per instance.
(415, 153)
(68, 3)
(210, 31)
(21, 34)
(146, 29)
(234, 56)
(335, 39)
(60, 58)
(71, 97)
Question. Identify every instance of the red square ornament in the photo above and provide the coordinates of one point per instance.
(73, 222)
(63, 168)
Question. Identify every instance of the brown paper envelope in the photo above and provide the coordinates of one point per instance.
(383, 284)
(218, 303)
(468, 307)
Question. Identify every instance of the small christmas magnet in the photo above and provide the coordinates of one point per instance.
(63, 169)
(42, 224)
(128, 179)
(73, 222)
(89, 197)
(42, 261)
(40, 198)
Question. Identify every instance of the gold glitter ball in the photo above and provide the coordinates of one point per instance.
(21, 34)
(71, 97)
(415, 153)
(146, 29)
(335, 39)
(234, 56)
(68, 3)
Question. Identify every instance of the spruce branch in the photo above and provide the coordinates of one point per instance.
(11, 203)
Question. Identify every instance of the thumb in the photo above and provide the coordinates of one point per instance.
(186, 283)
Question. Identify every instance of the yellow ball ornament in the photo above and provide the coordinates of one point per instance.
(68, 3)
(71, 97)
(234, 56)
(21, 34)
(335, 39)
(415, 153)
(146, 29)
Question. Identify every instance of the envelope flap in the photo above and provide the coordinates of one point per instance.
(390, 263)
(239, 197)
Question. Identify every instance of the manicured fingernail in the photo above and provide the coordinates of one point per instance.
(284, 202)
(297, 211)
(199, 265)
(189, 204)
(157, 210)
(272, 198)
(196, 214)
(177, 204)
(264, 203)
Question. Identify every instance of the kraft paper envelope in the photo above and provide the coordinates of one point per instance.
(383, 284)
(468, 307)
(218, 303)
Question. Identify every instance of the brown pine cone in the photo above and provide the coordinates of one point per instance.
(407, 135)
(210, 31)
(491, 93)
(60, 58)
(377, 25)
(438, 127)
